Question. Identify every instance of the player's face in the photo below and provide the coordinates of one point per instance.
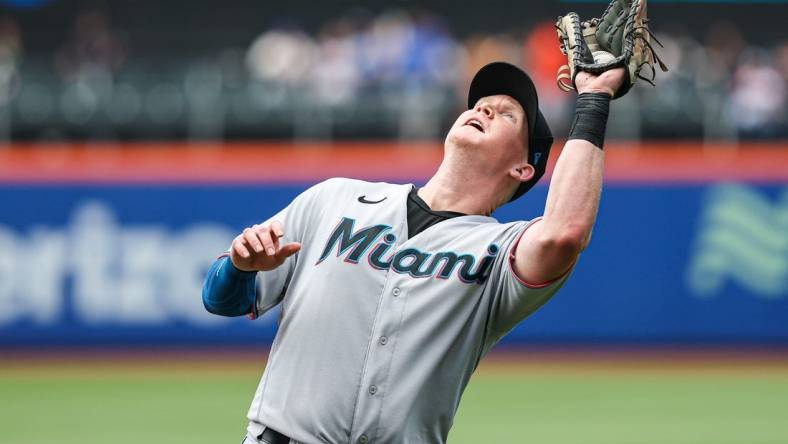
(496, 127)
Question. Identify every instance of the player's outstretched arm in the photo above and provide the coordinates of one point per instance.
(229, 287)
(551, 246)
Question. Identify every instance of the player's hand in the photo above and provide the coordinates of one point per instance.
(608, 82)
(258, 248)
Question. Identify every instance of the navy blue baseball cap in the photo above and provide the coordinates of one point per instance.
(505, 78)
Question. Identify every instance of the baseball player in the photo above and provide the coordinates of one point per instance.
(391, 294)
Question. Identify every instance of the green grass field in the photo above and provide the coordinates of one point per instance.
(508, 401)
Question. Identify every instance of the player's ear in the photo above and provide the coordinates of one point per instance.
(522, 172)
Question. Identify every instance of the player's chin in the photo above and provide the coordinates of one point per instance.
(465, 136)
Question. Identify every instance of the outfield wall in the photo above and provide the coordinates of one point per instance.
(103, 245)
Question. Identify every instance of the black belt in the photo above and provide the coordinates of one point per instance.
(271, 436)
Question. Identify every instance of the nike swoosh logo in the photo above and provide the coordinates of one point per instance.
(363, 199)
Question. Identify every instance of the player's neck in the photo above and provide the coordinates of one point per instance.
(463, 193)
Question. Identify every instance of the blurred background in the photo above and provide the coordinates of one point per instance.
(138, 137)
(138, 70)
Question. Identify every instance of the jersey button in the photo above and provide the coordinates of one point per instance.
(373, 389)
(383, 340)
(363, 439)
(395, 292)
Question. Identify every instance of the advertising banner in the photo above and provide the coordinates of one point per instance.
(105, 262)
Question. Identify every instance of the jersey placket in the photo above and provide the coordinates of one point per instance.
(374, 380)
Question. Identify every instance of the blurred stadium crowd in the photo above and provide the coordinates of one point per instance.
(396, 74)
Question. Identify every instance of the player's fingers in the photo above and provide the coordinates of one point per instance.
(239, 247)
(277, 228)
(251, 238)
(289, 250)
(264, 234)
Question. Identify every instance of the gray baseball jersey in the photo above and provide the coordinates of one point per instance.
(380, 333)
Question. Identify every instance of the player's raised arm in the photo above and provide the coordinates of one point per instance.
(605, 57)
(550, 247)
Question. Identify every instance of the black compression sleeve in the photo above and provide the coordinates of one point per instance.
(590, 120)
